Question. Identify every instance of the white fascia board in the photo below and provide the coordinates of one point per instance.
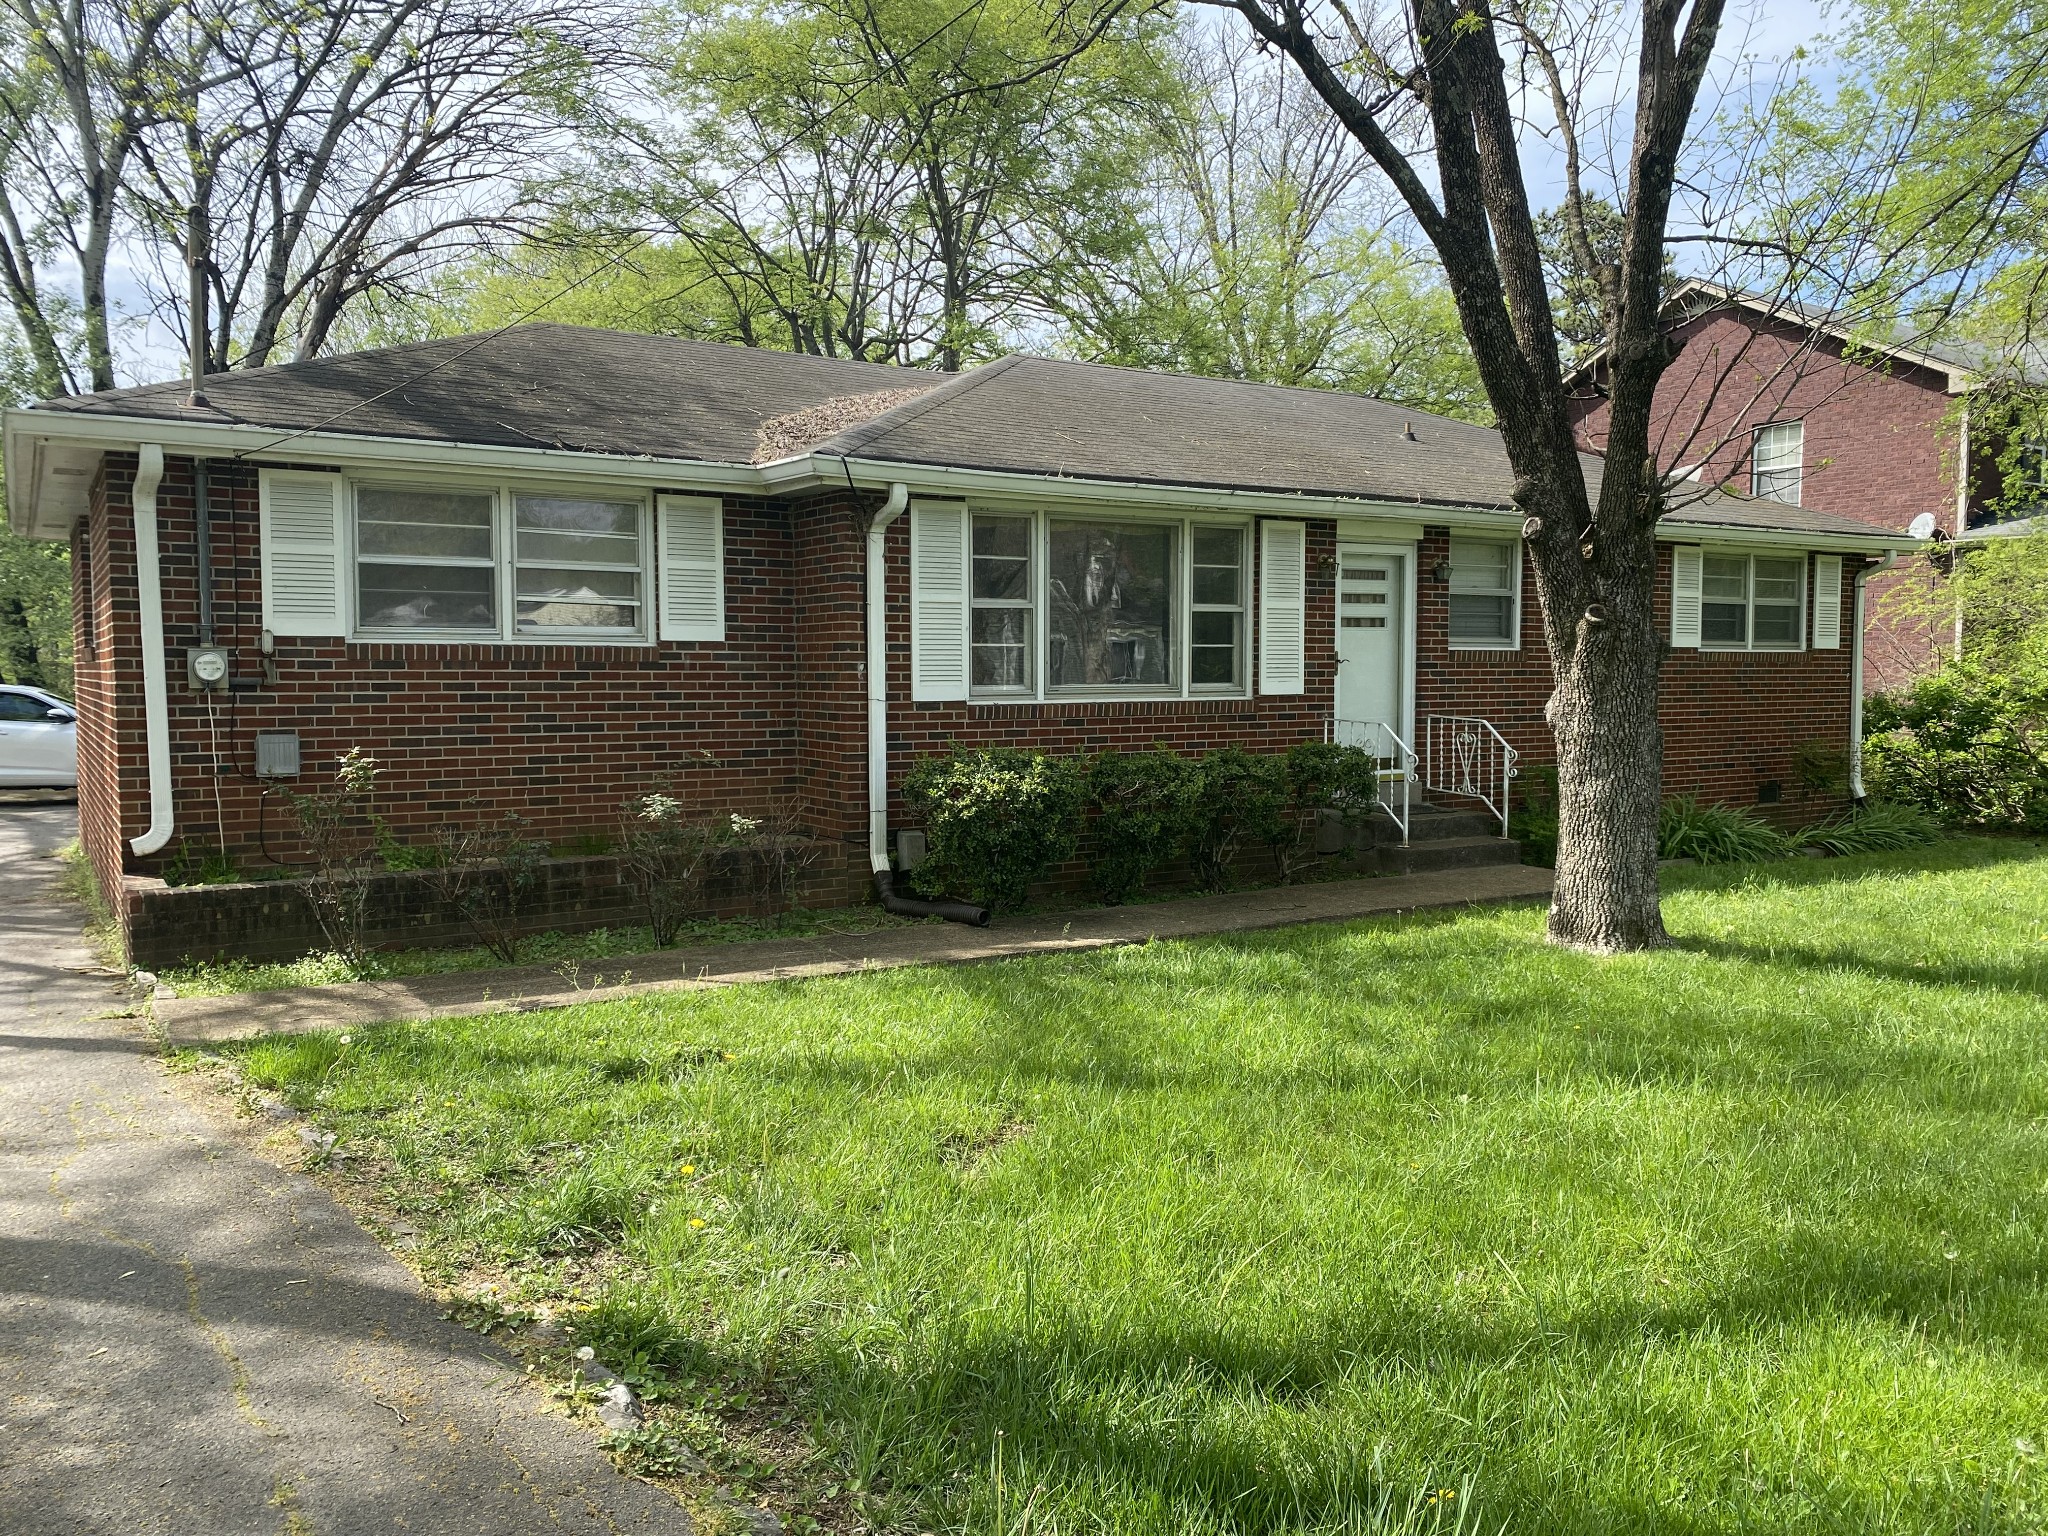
(1876, 542)
(990, 485)
(29, 431)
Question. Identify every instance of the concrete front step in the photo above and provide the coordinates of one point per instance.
(1430, 823)
(1448, 853)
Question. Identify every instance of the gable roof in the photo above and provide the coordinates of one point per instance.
(1961, 365)
(560, 392)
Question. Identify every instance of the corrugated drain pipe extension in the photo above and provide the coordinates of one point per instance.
(878, 733)
(1856, 794)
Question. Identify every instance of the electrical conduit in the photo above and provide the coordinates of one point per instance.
(156, 693)
(878, 730)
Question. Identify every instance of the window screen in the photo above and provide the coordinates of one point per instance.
(425, 559)
(1216, 624)
(577, 564)
(1483, 575)
(1002, 597)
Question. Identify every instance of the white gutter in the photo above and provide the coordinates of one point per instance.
(156, 693)
(1891, 558)
(878, 678)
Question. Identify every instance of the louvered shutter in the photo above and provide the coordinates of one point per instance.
(302, 524)
(938, 600)
(692, 567)
(1283, 607)
(1827, 602)
(1685, 597)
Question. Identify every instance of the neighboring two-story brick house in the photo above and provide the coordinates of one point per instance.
(1770, 399)
(553, 568)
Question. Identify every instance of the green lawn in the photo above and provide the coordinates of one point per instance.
(1260, 1233)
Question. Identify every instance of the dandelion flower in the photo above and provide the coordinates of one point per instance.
(689, 1168)
(696, 1222)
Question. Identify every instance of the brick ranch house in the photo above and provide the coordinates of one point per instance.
(555, 568)
(1773, 399)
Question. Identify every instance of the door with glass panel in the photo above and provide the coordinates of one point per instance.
(1372, 682)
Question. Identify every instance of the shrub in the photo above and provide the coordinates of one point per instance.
(1715, 834)
(1140, 802)
(1968, 745)
(338, 827)
(484, 871)
(1234, 796)
(1875, 828)
(667, 858)
(995, 820)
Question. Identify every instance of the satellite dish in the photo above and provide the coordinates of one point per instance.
(1922, 527)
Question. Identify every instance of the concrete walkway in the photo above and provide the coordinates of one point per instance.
(198, 1343)
(244, 1015)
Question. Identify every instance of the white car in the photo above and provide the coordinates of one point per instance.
(38, 740)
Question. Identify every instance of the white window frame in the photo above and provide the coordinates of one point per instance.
(1796, 471)
(1514, 640)
(1041, 516)
(504, 496)
(1749, 556)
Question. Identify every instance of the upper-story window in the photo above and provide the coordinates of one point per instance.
(1485, 577)
(1776, 461)
(495, 563)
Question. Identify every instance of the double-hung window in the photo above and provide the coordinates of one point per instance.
(1485, 575)
(1752, 602)
(1776, 461)
(1217, 608)
(1001, 637)
(1062, 604)
(499, 563)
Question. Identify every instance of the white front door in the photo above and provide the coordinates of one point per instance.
(1372, 637)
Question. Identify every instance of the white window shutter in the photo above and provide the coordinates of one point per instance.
(1827, 602)
(691, 541)
(301, 531)
(1283, 607)
(1685, 597)
(938, 600)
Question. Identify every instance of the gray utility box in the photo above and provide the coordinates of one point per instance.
(277, 754)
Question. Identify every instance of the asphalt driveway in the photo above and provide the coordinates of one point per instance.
(193, 1340)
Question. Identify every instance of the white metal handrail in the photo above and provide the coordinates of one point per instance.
(1395, 758)
(1464, 755)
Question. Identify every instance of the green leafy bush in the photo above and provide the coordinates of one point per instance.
(1140, 803)
(1715, 834)
(1968, 745)
(995, 820)
(1236, 797)
(1875, 828)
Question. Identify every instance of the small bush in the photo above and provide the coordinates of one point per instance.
(995, 820)
(1236, 797)
(1715, 834)
(484, 871)
(1875, 828)
(667, 857)
(1140, 802)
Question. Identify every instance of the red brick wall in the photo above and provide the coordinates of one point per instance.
(566, 734)
(1876, 446)
(1732, 720)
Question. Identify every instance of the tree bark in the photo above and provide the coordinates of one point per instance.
(1595, 560)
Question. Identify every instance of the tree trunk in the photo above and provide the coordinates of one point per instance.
(20, 660)
(1610, 759)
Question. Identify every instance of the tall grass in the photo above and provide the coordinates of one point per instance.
(1350, 1228)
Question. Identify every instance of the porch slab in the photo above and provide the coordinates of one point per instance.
(527, 988)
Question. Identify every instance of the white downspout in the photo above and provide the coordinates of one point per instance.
(156, 693)
(878, 679)
(1891, 558)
